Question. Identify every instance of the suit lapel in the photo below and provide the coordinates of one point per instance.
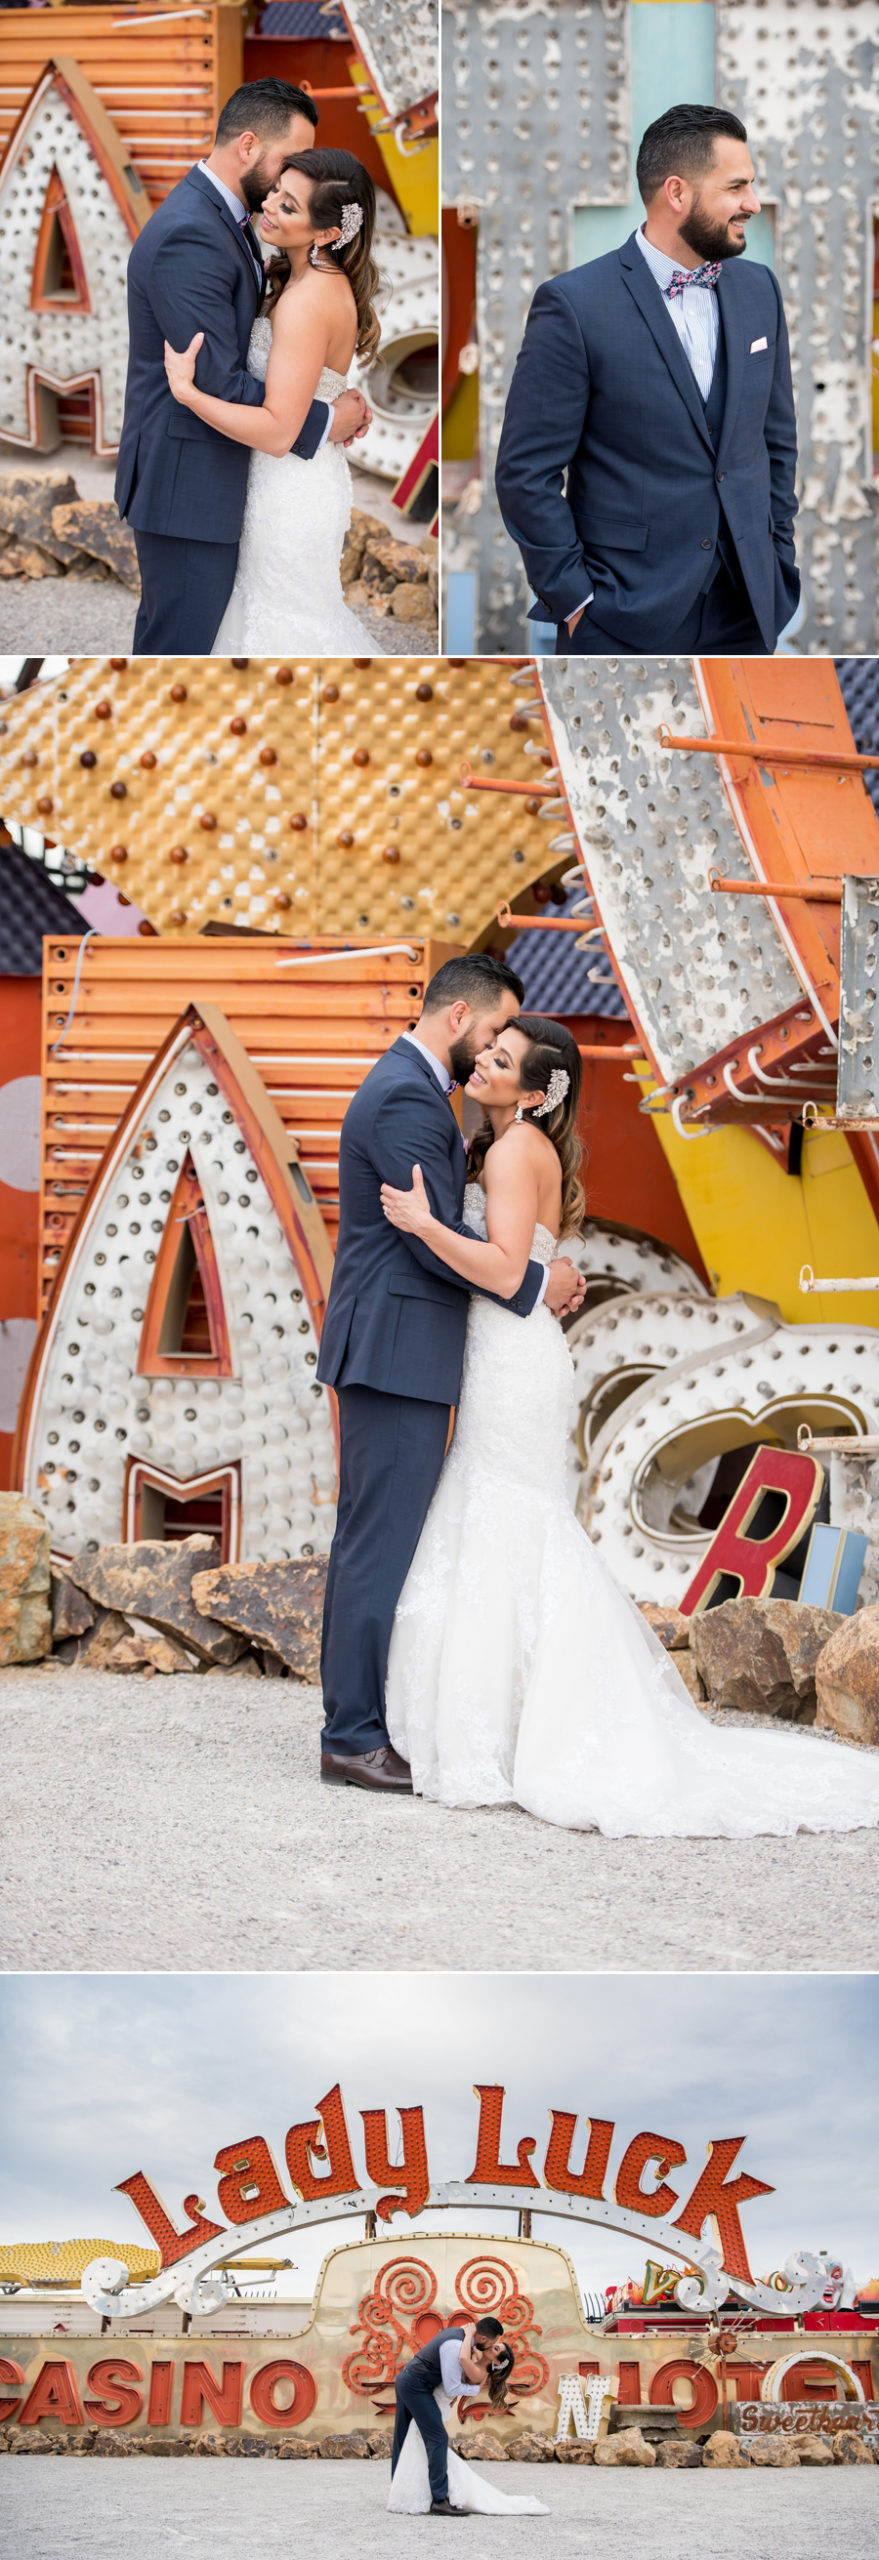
(732, 318)
(203, 184)
(645, 292)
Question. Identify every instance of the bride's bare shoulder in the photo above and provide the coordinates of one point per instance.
(521, 1145)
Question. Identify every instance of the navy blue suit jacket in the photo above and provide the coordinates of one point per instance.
(190, 269)
(603, 391)
(396, 1317)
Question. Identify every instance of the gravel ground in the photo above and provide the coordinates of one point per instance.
(82, 617)
(158, 2510)
(179, 1823)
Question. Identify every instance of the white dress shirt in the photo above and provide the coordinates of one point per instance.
(242, 217)
(693, 313)
(450, 2351)
(446, 1081)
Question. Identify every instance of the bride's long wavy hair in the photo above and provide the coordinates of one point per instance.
(549, 1045)
(336, 180)
(500, 2374)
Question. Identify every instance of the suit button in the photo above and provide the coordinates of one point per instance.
(720, 475)
(707, 544)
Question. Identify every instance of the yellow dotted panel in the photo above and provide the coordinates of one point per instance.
(314, 797)
(29, 2261)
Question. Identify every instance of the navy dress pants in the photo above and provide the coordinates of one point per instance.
(392, 1452)
(186, 588)
(416, 2400)
(722, 619)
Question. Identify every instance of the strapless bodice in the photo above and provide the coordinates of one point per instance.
(543, 1245)
(328, 386)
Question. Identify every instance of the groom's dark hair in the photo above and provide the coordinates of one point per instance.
(264, 107)
(475, 981)
(489, 2327)
(681, 145)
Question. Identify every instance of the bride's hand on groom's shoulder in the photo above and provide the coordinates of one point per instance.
(180, 369)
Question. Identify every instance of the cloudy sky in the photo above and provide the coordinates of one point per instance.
(108, 2074)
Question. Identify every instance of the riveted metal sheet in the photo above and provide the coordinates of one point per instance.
(805, 80)
(699, 971)
(858, 1070)
(312, 796)
(536, 115)
(398, 42)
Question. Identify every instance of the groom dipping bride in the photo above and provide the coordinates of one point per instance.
(475, 1647)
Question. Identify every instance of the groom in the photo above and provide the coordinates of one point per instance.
(198, 265)
(454, 2360)
(658, 378)
(393, 1346)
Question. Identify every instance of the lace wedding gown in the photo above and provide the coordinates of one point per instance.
(519, 1672)
(410, 2487)
(288, 592)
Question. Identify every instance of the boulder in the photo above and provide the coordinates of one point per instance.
(154, 1582)
(627, 2448)
(849, 2447)
(72, 1613)
(25, 1617)
(95, 527)
(669, 1624)
(339, 2448)
(530, 2447)
(403, 563)
(412, 604)
(299, 2449)
(481, 2446)
(140, 1652)
(773, 2453)
(93, 1651)
(575, 2449)
(814, 2450)
(28, 500)
(761, 1655)
(692, 1679)
(380, 2442)
(724, 2452)
(279, 1606)
(675, 2456)
(27, 560)
(362, 529)
(847, 1679)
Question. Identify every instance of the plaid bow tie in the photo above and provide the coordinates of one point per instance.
(706, 275)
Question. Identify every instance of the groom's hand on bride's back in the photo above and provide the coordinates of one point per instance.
(565, 1288)
(351, 417)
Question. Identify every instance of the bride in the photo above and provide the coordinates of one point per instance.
(410, 2484)
(519, 1673)
(318, 312)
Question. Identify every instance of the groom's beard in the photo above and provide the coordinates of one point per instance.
(256, 184)
(462, 1057)
(709, 239)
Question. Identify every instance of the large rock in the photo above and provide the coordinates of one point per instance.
(94, 1650)
(849, 2447)
(669, 1624)
(481, 2446)
(627, 2448)
(27, 503)
(675, 2456)
(724, 2452)
(142, 1652)
(773, 2453)
(353, 2448)
(530, 2447)
(847, 1679)
(93, 526)
(279, 1606)
(72, 1612)
(25, 1616)
(814, 2450)
(575, 2449)
(154, 1581)
(761, 1655)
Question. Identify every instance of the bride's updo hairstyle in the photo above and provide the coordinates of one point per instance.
(336, 180)
(548, 1045)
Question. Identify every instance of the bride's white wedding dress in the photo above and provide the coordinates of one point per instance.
(519, 1672)
(288, 592)
(410, 2487)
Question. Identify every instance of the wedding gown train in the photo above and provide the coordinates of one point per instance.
(288, 591)
(519, 1672)
(410, 2487)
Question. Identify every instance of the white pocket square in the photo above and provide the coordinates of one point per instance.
(757, 345)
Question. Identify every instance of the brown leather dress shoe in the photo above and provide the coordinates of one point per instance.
(382, 1770)
(444, 2507)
